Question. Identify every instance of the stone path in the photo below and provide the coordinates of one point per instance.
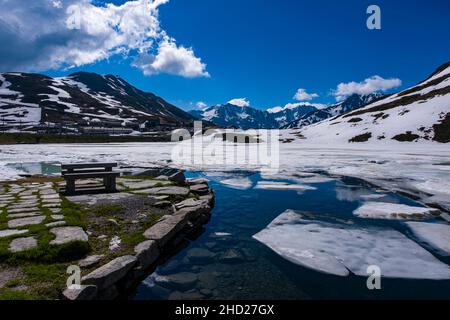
(32, 204)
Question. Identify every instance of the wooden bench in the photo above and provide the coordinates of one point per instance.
(79, 171)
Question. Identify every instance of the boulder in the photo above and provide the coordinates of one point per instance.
(147, 253)
(178, 177)
(192, 182)
(110, 273)
(83, 293)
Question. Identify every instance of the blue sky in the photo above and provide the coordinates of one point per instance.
(265, 50)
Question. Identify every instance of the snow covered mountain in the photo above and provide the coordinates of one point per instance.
(82, 99)
(230, 115)
(419, 113)
(353, 102)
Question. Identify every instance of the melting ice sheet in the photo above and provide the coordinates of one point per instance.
(385, 210)
(338, 248)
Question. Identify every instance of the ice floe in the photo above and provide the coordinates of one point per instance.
(238, 183)
(339, 249)
(276, 185)
(386, 210)
(433, 235)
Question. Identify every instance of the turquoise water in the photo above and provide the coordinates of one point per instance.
(236, 266)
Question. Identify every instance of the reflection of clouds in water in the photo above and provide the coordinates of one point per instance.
(354, 193)
(236, 180)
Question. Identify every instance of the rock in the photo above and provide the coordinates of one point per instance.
(84, 293)
(26, 221)
(23, 210)
(23, 215)
(162, 204)
(232, 256)
(207, 280)
(57, 217)
(199, 255)
(200, 189)
(68, 234)
(186, 296)
(55, 224)
(192, 182)
(11, 232)
(181, 281)
(165, 230)
(147, 253)
(109, 293)
(108, 274)
(170, 267)
(22, 244)
(173, 191)
(178, 178)
(90, 261)
(55, 210)
(209, 198)
(189, 203)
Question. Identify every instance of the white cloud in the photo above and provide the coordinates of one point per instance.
(370, 85)
(240, 102)
(302, 95)
(57, 4)
(173, 60)
(39, 37)
(201, 105)
(296, 105)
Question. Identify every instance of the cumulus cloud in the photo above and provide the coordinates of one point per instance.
(370, 85)
(240, 102)
(54, 34)
(302, 95)
(201, 105)
(172, 59)
(296, 105)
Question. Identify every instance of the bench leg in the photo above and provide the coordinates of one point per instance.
(110, 184)
(70, 187)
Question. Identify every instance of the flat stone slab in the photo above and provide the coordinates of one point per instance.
(90, 261)
(11, 232)
(26, 221)
(22, 244)
(57, 217)
(200, 188)
(173, 191)
(51, 205)
(142, 184)
(68, 234)
(147, 253)
(95, 198)
(23, 215)
(165, 230)
(108, 274)
(55, 224)
(22, 210)
(55, 210)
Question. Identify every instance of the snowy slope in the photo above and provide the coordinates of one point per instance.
(229, 115)
(353, 102)
(86, 98)
(421, 112)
